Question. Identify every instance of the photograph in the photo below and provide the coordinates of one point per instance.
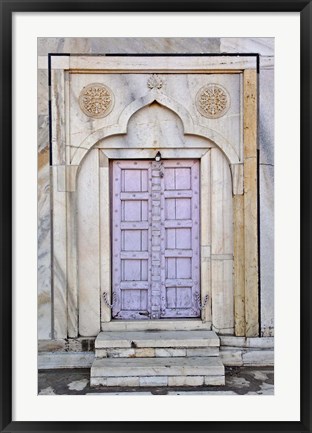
(156, 216)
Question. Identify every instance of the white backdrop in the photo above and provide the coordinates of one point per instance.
(284, 405)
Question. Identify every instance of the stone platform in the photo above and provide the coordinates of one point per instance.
(157, 358)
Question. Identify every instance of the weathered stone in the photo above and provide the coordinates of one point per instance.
(261, 343)
(123, 381)
(146, 352)
(48, 360)
(266, 140)
(222, 290)
(159, 339)
(98, 381)
(231, 357)
(258, 357)
(266, 174)
(185, 380)
(263, 46)
(250, 203)
(127, 45)
(151, 367)
(250, 113)
(51, 345)
(119, 352)
(168, 352)
(43, 94)
(256, 342)
(251, 248)
(239, 265)
(153, 381)
(59, 262)
(89, 246)
(214, 380)
(200, 351)
(226, 340)
(266, 117)
(80, 344)
(101, 353)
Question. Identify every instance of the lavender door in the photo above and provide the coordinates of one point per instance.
(155, 237)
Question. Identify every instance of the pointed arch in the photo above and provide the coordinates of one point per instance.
(155, 96)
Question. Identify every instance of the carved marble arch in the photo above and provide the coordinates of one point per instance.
(215, 193)
(244, 280)
(189, 127)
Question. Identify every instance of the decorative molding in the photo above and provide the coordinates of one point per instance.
(96, 100)
(163, 64)
(212, 101)
(121, 127)
(155, 82)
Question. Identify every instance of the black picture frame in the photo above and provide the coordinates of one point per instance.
(7, 9)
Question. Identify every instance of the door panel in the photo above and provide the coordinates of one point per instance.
(180, 259)
(155, 224)
(131, 276)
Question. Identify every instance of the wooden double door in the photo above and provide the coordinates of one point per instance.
(155, 239)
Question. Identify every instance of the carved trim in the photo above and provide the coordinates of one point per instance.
(213, 101)
(96, 100)
(155, 82)
(166, 101)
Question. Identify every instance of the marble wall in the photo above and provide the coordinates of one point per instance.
(263, 46)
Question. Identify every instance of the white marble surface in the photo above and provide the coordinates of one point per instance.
(88, 241)
(127, 45)
(159, 339)
(44, 232)
(266, 119)
(178, 87)
(187, 45)
(59, 258)
(48, 360)
(266, 173)
(152, 367)
(267, 249)
(221, 245)
(43, 94)
(262, 46)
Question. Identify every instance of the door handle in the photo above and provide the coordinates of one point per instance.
(105, 297)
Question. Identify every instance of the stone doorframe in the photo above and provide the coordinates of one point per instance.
(65, 166)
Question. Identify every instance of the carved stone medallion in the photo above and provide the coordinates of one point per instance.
(212, 101)
(96, 100)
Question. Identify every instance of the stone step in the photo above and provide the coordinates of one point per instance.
(157, 339)
(158, 381)
(158, 352)
(186, 371)
(156, 325)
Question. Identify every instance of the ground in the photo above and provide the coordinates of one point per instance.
(238, 380)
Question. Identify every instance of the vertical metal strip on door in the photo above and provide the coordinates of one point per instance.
(131, 240)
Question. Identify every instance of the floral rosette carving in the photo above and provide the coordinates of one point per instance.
(96, 100)
(212, 101)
